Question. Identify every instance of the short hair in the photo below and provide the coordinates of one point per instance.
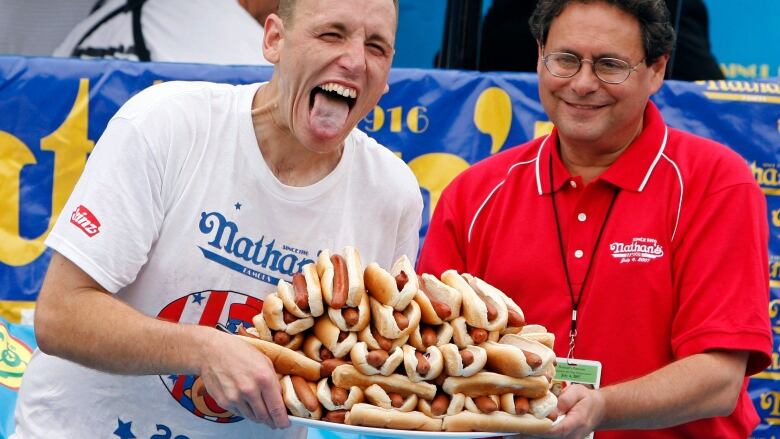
(658, 36)
(287, 8)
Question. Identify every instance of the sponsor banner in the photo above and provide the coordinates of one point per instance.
(52, 111)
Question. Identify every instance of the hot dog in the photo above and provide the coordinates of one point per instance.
(430, 335)
(422, 367)
(515, 316)
(442, 405)
(286, 361)
(499, 421)
(351, 319)
(438, 301)
(518, 356)
(263, 332)
(300, 397)
(540, 334)
(483, 306)
(464, 335)
(279, 319)
(341, 278)
(540, 408)
(376, 361)
(338, 342)
(482, 404)
(463, 363)
(377, 396)
(303, 297)
(395, 288)
(373, 416)
(348, 376)
(490, 383)
(337, 398)
(392, 324)
(374, 340)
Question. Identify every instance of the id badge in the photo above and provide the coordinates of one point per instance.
(570, 371)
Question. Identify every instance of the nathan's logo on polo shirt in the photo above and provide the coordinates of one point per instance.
(85, 220)
(261, 257)
(642, 250)
(767, 177)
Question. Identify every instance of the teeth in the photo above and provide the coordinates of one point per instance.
(340, 89)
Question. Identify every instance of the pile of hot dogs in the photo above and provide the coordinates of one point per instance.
(396, 350)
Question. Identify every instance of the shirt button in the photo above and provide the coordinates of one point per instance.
(578, 254)
(582, 217)
(573, 184)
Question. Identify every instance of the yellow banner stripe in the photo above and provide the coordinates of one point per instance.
(761, 99)
(12, 310)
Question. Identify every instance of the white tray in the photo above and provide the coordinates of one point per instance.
(371, 432)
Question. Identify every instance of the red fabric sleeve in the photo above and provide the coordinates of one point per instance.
(444, 248)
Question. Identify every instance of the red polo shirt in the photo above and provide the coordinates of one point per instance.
(681, 268)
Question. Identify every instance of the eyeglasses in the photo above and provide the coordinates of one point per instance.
(609, 70)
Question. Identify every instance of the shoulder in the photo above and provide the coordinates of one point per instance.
(376, 160)
(176, 96)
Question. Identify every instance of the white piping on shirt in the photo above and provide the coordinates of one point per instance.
(655, 161)
(682, 187)
(539, 154)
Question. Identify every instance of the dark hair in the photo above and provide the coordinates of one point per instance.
(658, 36)
(287, 7)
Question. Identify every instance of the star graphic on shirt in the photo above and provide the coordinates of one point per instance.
(197, 298)
(173, 378)
(123, 430)
(238, 206)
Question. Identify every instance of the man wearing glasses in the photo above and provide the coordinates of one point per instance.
(643, 248)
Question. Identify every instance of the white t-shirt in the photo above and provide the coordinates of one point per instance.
(201, 31)
(178, 214)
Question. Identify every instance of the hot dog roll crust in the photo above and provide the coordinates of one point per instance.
(287, 361)
(359, 356)
(286, 292)
(506, 359)
(461, 336)
(347, 376)
(490, 383)
(432, 355)
(325, 397)
(377, 396)
(475, 307)
(364, 316)
(354, 280)
(453, 361)
(540, 334)
(273, 312)
(328, 334)
(366, 336)
(497, 421)
(532, 347)
(294, 403)
(263, 332)
(432, 294)
(373, 416)
(443, 335)
(542, 407)
(385, 322)
(471, 404)
(455, 406)
(382, 285)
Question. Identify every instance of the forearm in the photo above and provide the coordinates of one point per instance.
(701, 386)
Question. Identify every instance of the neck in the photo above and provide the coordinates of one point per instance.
(589, 161)
(290, 161)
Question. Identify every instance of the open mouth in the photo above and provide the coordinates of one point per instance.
(335, 91)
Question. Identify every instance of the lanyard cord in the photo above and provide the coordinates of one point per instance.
(575, 303)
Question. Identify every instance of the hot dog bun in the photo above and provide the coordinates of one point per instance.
(367, 335)
(287, 293)
(373, 416)
(330, 277)
(497, 421)
(273, 312)
(328, 334)
(286, 361)
(347, 376)
(526, 356)
(453, 404)
(453, 360)
(540, 334)
(433, 295)
(443, 334)
(383, 286)
(479, 298)
(325, 396)
(412, 358)
(377, 396)
(540, 407)
(385, 321)
(263, 332)
(360, 359)
(295, 402)
(461, 334)
(364, 316)
(490, 383)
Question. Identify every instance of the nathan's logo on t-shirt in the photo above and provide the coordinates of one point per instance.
(262, 258)
(639, 250)
(85, 220)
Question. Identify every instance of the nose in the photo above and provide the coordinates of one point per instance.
(585, 81)
(353, 57)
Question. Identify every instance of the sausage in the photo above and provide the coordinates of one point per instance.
(342, 336)
(383, 342)
(423, 366)
(282, 338)
(351, 316)
(288, 318)
(532, 359)
(428, 336)
(479, 335)
(340, 282)
(439, 380)
(301, 294)
(514, 320)
(400, 280)
(327, 366)
(521, 405)
(242, 331)
(304, 393)
(485, 404)
(401, 320)
(442, 309)
(396, 400)
(338, 395)
(325, 354)
(553, 416)
(337, 416)
(440, 404)
(466, 357)
(492, 312)
(377, 358)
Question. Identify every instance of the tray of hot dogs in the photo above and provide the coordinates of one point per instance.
(390, 352)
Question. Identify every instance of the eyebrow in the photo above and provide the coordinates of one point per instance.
(341, 27)
(600, 56)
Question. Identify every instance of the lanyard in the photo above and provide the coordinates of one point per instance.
(575, 303)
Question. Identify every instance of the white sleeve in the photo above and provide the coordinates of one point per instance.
(114, 214)
(409, 228)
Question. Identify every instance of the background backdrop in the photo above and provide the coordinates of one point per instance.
(53, 110)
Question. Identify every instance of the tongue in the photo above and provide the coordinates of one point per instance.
(328, 114)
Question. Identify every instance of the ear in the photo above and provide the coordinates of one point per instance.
(657, 72)
(273, 38)
(387, 89)
(539, 54)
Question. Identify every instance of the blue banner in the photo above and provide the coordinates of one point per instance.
(52, 111)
